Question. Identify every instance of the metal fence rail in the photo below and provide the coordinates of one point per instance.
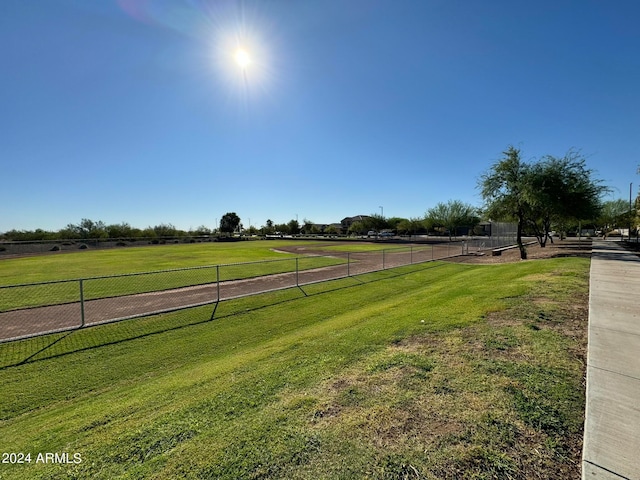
(30, 310)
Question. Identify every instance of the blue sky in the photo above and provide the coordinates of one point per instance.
(135, 111)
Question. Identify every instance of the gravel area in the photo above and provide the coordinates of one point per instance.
(560, 248)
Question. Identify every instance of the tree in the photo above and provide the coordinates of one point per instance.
(308, 227)
(453, 215)
(357, 228)
(375, 222)
(87, 229)
(294, 227)
(613, 214)
(165, 230)
(267, 229)
(122, 230)
(202, 230)
(503, 190)
(282, 228)
(550, 191)
(410, 226)
(560, 190)
(394, 223)
(331, 230)
(229, 222)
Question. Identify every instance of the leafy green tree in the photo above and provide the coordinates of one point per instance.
(394, 222)
(87, 229)
(202, 230)
(358, 228)
(282, 228)
(29, 235)
(376, 222)
(229, 222)
(560, 190)
(309, 227)
(166, 230)
(148, 233)
(613, 214)
(268, 228)
(503, 189)
(331, 230)
(550, 191)
(453, 215)
(294, 227)
(410, 226)
(122, 230)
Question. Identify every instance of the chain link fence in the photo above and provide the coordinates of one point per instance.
(30, 310)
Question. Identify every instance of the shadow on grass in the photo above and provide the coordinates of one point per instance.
(91, 337)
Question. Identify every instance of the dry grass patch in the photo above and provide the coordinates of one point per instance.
(499, 399)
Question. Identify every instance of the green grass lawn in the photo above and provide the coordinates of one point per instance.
(429, 371)
(238, 259)
(92, 263)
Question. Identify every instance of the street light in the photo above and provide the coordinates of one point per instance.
(381, 211)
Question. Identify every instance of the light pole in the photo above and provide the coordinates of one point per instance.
(381, 211)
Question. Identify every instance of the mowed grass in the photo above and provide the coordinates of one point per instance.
(239, 260)
(92, 263)
(431, 371)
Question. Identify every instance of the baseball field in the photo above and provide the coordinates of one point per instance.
(434, 370)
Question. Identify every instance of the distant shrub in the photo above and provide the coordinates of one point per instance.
(121, 244)
(83, 246)
(55, 248)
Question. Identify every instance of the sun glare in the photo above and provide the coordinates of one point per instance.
(242, 58)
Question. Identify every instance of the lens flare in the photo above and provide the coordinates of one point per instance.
(242, 58)
(238, 41)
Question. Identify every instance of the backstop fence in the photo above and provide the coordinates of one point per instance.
(34, 309)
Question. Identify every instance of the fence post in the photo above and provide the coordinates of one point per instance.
(383, 258)
(297, 282)
(432, 252)
(218, 281)
(411, 254)
(81, 303)
(348, 264)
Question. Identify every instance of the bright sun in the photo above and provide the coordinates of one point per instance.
(242, 58)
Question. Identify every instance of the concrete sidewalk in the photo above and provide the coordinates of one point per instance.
(612, 418)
